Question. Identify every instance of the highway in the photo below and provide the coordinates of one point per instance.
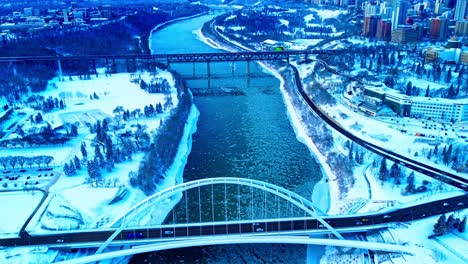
(361, 222)
(430, 171)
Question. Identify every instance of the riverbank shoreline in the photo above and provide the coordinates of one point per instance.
(324, 197)
(174, 173)
(167, 23)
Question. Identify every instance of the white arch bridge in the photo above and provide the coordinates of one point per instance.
(294, 230)
(228, 238)
(126, 218)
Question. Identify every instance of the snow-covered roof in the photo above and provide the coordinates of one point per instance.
(270, 42)
(439, 100)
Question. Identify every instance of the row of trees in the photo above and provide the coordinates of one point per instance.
(148, 111)
(156, 85)
(162, 152)
(388, 60)
(354, 153)
(72, 166)
(45, 136)
(260, 23)
(436, 72)
(445, 225)
(20, 161)
(396, 174)
(109, 149)
(450, 156)
(38, 102)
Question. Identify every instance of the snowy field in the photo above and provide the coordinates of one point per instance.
(302, 44)
(29, 255)
(386, 133)
(115, 90)
(16, 207)
(73, 203)
(60, 153)
(416, 233)
(325, 13)
(76, 203)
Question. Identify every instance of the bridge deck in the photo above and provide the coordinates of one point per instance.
(195, 57)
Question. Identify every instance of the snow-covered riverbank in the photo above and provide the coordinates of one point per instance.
(174, 174)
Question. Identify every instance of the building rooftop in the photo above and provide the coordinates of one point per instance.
(440, 100)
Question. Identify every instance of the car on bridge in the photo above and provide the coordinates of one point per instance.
(135, 235)
(168, 232)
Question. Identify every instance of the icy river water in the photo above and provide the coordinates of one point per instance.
(247, 136)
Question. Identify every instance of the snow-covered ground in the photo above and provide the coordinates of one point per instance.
(30, 255)
(73, 202)
(302, 44)
(115, 90)
(416, 234)
(399, 134)
(89, 205)
(388, 135)
(16, 207)
(326, 13)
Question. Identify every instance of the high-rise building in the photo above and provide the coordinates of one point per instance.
(106, 11)
(461, 28)
(404, 34)
(65, 15)
(450, 3)
(370, 26)
(460, 10)
(438, 7)
(384, 30)
(400, 10)
(370, 10)
(28, 11)
(385, 10)
(439, 27)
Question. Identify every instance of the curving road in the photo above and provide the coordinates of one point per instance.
(430, 171)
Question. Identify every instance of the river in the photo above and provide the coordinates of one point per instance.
(246, 136)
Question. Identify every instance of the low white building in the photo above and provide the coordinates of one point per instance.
(440, 109)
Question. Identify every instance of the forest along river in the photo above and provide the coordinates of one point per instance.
(244, 135)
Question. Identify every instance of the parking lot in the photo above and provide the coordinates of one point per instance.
(26, 178)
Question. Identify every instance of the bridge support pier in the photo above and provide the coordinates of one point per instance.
(95, 68)
(107, 67)
(59, 67)
(248, 69)
(193, 69)
(233, 67)
(208, 70)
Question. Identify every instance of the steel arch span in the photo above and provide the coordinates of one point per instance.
(242, 240)
(291, 197)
